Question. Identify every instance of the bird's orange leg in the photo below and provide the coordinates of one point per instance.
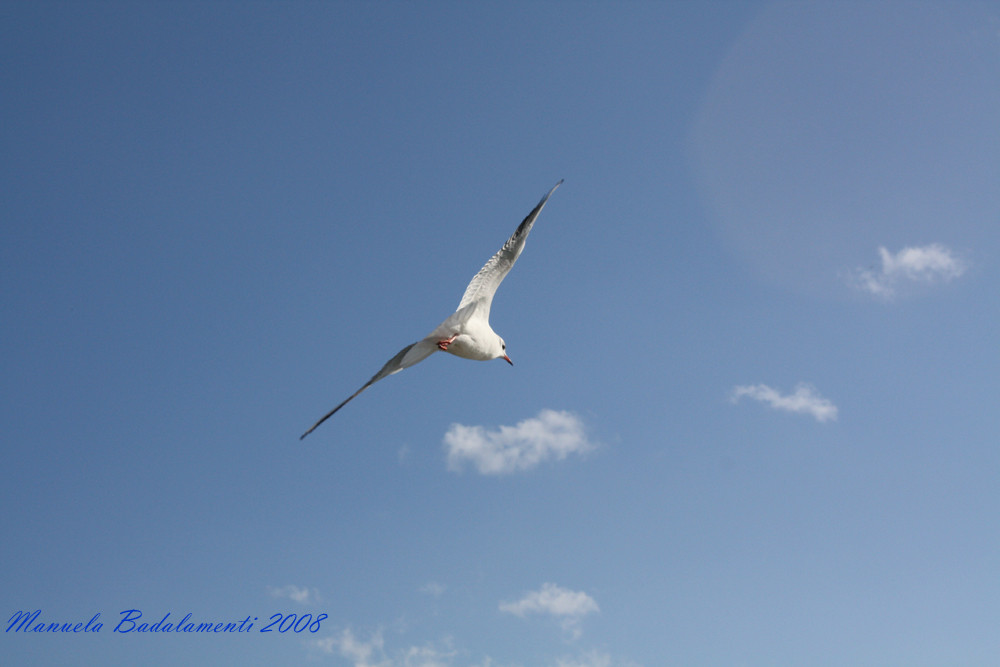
(443, 344)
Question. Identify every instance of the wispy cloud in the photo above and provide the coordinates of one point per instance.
(805, 399)
(372, 653)
(403, 454)
(924, 264)
(569, 606)
(592, 658)
(433, 588)
(429, 655)
(299, 594)
(551, 435)
(360, 653)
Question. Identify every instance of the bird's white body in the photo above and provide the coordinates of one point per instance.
(467, 332)
(475, 337)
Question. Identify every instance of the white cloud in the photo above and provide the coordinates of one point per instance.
(372, 653)
(298, 594)
(403, 455)
(592, 658)
(552, 434)
(428, 656)
(569, 606)
(433, 588)
(805, 400)
(926, 264)
(359, 653)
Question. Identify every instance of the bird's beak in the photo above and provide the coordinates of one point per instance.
(507, 359)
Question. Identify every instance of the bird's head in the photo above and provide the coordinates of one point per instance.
(503, 351)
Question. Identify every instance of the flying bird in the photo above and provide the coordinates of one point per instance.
(467, 332)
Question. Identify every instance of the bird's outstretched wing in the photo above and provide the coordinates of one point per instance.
(485, 283)
(408, 356)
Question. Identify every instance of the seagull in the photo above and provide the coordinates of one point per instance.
(467, 332)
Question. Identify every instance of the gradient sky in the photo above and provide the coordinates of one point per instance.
(752, 418)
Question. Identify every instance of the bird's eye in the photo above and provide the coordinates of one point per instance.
(503, 346)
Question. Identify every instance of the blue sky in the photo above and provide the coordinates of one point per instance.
(752, 417)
